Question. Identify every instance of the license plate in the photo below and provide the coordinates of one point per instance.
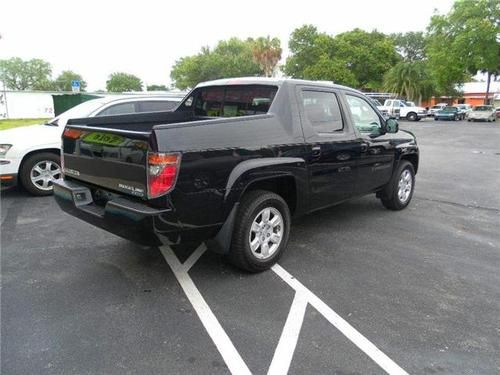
(104, 139)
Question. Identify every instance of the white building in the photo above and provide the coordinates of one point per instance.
(39, 104)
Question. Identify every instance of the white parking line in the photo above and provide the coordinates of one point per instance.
(349, 331)
(283, 354)
(288, 341)
(221, 340)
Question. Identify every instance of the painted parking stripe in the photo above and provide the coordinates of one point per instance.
(290, 335)
(283, 354)
(221, 340)
(349, 331)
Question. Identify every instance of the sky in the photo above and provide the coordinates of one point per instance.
(145, 38)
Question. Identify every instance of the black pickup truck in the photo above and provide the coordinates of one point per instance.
(232, 164)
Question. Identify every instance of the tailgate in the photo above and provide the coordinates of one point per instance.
(109, 158)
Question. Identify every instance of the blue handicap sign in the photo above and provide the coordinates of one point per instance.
(75, 83)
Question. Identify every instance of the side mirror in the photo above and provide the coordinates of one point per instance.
(391, 126)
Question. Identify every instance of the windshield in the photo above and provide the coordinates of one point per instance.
(449, 109)
(81, 110)
(483, 108)
(436, 107)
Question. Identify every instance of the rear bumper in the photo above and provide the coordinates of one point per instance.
(128, 218)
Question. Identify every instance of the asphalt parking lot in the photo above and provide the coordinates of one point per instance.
(422, 285)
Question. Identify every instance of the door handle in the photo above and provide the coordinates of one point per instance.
(316, 151)
(364, 147)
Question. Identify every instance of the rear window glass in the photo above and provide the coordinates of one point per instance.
(234, 101)
(157, 105)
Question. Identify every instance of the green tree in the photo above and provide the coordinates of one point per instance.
(410, 79)
(410, 45)
(19, 74)
(230, 58)
(305, 50)
(63, 81)
(369, 55)
(267, 53)
(156, 88)
(355, 58)
(464, 42)
(123, 82)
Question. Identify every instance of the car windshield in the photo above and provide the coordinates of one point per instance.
(449, 109)
(81, 110)
(436, 107)
(483, 108)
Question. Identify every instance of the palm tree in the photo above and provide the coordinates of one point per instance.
(267, 53)
(410, 80)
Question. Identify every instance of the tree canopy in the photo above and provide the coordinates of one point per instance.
(267, 53)
(410, 79)
(464, 41)
(410, 45)
(156, 88)
(63, 81)
(19, 74)
(123, 82)
(355, 58)
(230, 58)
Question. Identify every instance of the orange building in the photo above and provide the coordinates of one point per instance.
(473, 93)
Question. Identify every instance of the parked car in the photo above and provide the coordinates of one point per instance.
(436, 108)
(232, 163)
(482, 113)
(497, 111)
(463, 110)
(448, 113)
(396, 108)
(30, 155)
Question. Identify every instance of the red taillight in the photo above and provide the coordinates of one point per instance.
(72, 133)
(162, 173)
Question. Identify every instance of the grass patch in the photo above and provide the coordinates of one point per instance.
(15, 123)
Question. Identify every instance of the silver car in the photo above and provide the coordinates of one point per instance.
(482, 113)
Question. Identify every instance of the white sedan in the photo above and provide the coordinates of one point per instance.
(482, 113)
(30, 155)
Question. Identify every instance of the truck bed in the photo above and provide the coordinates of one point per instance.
(142, 122)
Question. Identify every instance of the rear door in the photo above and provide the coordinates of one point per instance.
(333, 148)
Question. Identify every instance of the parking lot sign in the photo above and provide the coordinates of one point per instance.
(75, 86)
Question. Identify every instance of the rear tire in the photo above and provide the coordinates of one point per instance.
(412, 116)
(38, 172)
(398, 192)
(261, 231)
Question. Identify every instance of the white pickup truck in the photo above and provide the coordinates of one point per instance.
(396, 108)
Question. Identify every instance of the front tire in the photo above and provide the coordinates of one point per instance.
(38, 172)
(399, 191)
(261, 231)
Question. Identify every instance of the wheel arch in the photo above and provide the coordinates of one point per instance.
(284, 176)
(413, 159)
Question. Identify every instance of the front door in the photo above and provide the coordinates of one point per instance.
(376, 160)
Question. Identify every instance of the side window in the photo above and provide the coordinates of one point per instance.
(322, 111)
(118, 109)
(364, 117)
(157, 105)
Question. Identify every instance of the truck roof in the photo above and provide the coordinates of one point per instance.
(272, 81)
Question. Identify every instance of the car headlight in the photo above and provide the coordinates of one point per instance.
(4, 149)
